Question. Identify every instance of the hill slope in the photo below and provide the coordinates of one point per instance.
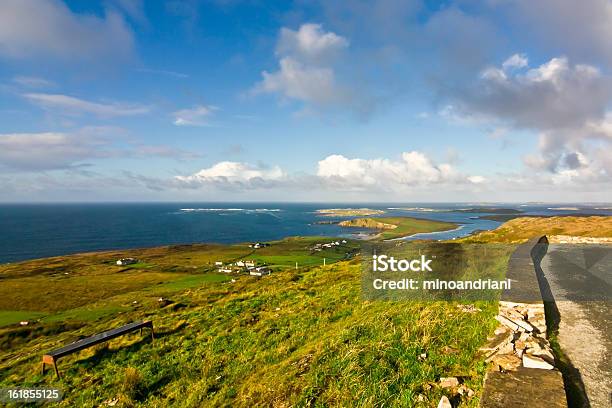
(523, 228)
(294, 338)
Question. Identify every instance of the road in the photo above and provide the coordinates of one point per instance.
(580, 279)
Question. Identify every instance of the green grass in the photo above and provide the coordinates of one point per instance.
(8, 317)
(409, 226)
(294, 338)
(404, 226)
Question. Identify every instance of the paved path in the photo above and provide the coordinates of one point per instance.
(580, 279)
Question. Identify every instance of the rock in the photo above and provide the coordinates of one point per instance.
(542, 352)
(517, 319)
(506, 362)
(519, 348)
(444, 403)
(465, 391)
(163, 302)
(530, 361)
(420, 398)
(507, 322)
(509, 305)
(422, 356)
(24, 323)
(513, 314)
(448, 382)
(497, 342)
(500, 330)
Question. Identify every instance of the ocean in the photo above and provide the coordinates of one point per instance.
(29, 231)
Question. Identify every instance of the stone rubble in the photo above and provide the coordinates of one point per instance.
(448, 382)
(520, 340)
(444, 403)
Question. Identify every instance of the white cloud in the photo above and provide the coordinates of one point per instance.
(552, 96)
(230, 174)
(477, 179)
(297, 81)
(36, 152)
(306, 69)
(583, 29)
(565, 104)
(196, 116)
(48, 150)
(413, 169)
(33, 82)
(38, 28)
(515, 61)
(75, 106)
(310, 43)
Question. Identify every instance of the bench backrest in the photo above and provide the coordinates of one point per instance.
(98, 338)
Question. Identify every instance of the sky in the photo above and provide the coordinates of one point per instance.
(339, 101)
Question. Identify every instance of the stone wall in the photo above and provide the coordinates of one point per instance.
(522, 364)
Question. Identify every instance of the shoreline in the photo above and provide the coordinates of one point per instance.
(460, 227)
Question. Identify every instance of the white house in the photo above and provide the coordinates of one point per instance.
(260, 271)
(126, 261)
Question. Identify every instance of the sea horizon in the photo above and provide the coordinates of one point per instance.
(39, 230)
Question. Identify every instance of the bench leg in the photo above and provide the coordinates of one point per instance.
(43, 368)
(56, 370)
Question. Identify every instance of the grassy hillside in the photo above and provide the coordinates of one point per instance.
(523, 228)
(294, 338)
(403, 226)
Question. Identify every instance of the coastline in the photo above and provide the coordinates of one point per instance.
(460, 227)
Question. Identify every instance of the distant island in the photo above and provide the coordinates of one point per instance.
(398, 227)
(349, 212)
(489, 210)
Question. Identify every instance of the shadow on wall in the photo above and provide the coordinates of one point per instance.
(572, 379)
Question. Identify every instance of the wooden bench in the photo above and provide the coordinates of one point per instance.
(53, 356)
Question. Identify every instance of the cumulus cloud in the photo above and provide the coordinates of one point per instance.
(295, 80)
(196, 116)
(583, 29)
(75, 106)
(565, 104)
(306, 68)
(413, 169)
(515, 61)
(310, 43)
(228, 174)
(553, 95)
(36, 28)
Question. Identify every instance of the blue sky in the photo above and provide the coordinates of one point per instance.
(228, 100)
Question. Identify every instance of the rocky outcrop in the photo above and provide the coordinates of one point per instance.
(367, 223)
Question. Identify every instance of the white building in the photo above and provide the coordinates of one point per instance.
(260, 271)
(126, 261)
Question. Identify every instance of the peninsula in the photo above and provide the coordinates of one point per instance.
(397, 227)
